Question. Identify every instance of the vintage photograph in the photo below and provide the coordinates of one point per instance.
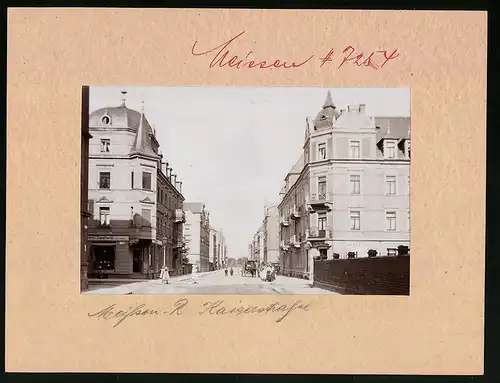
(226, 190)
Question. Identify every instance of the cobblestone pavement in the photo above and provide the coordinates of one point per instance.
(217, 283)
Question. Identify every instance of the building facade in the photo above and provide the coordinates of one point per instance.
(349, 191)
(264, 247)
(221, 249)
(197, 235)
(170, 219)
(125, 177)
(271, 234)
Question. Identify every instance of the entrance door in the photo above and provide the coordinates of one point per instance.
(137, 261)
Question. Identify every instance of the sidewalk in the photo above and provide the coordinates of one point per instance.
(130, 285)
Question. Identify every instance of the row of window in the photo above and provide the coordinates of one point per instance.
(138, 220)
(355, 220)
(165, 197)
(389, 150)
(105, 180)
(355, 188)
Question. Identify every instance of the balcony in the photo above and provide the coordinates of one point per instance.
(180, 216)
(294, 241)
(315, 234)
(284, 222)
(179, 242)
(283, 246)
(294, 213)
(319, 202)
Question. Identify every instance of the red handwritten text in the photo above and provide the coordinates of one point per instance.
(222, 60)
(221, 57)
(375, 60)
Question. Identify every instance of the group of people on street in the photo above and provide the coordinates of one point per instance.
(268, 273)
(230, 271)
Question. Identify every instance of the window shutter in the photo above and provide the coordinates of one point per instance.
(329, 147)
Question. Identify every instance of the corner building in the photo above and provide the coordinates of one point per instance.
(348, 192)
(131, 228)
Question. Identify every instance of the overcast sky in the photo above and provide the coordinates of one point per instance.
(232, 147)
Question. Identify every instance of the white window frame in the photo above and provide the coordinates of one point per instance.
(390, 220)
(354, 216)
(353, 180)
(388, 181)
(105, 145)
(104, 218)
(354, 144)
(322, 151)
(389, 147)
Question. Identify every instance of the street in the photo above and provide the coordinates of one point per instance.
(216, 282)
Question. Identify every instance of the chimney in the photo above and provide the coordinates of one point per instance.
(169, 173)
(362, 108)
(180, 186)
(175, 178)
(124, 96)
(342, 111)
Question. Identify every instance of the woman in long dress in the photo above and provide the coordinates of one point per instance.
(194, 274)
(165, 278)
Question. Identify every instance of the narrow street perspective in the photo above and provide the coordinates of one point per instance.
(216, 282)
(200, 190)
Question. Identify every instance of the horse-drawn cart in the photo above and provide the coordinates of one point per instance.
(250, 268)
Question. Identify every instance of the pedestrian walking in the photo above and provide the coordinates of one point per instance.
(225, 271)
(231, 271)
(194, 275)
(165, 275)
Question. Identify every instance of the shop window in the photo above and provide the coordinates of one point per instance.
(104, 257)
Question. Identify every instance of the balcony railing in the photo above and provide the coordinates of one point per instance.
(284, 221)
(294, 241)
(319, 201)
(294, 213)
(319, 234)
(179, 242)
(180, 216)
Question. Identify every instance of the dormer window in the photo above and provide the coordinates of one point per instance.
(407, 149)
(106, 120)
(390, 149)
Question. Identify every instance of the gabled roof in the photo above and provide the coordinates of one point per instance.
(392, 127)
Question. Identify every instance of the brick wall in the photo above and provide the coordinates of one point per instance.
(371, 276)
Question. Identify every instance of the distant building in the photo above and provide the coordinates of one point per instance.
(271, 234)
(349, 191)
(264, 247)
(197, 234)
(131, 232)
(170, 219)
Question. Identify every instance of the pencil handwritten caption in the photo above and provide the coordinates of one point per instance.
(210, 308)
(222, 57)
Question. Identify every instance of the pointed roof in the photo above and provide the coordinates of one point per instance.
(142, 141)
(327, 114)
(329, 102)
